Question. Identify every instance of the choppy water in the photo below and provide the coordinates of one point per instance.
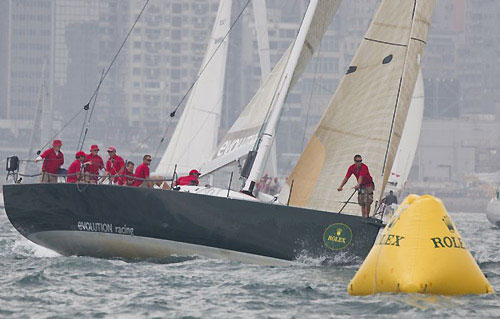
(37, 283)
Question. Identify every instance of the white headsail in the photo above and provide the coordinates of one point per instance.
(242, 136)
(409, 139)
(368, 110)
(195, 136)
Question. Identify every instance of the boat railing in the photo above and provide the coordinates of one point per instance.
(89, 178)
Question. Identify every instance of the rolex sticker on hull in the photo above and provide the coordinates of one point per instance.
(337, 236)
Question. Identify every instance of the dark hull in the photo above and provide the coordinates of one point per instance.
(110, 221)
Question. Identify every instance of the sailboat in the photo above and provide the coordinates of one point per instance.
(111, 221)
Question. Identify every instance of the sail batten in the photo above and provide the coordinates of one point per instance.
(367, 112)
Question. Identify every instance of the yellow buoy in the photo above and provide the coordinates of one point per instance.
(420, 251)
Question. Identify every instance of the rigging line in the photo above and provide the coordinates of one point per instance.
(399, 88)
(90, 115)
(202, 123)
(119, 49)
(279, 87)
(146, 139)
(172, 114)
(86, 107)
(62, 128)
(310, 98)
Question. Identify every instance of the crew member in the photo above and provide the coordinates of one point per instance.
(191, 179)
(115, 165)
(364, 186)
(127, 176)
(142, 172)
(74, 170)
(93, 163)
(53, 159)
(390, 199)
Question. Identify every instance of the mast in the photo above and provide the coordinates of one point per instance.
(267, 136)
(38, 116)
(260, 18)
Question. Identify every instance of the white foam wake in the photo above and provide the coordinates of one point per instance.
(26, 247)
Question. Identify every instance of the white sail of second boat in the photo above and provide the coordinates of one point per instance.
(195, 135)
(409, 140)
(368, 110)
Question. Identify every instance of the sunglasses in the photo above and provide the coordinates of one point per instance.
(358, 161)
(148, 160)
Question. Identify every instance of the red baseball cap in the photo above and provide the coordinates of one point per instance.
(57, 143)
(111, 149)
(193, 171)
(79, 153)
(94, 148)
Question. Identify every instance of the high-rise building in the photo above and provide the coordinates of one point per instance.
(27, 45)
(165, 53)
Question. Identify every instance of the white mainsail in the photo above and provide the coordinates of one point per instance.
(195, 136)
(367, 112)
(409, 139)
(242, 136)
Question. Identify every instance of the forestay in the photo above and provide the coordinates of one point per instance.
(195, 136)
(242, 136)
(409, 139)
(367, 112)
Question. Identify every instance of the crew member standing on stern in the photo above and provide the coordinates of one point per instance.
(364, 186)
(53, 159)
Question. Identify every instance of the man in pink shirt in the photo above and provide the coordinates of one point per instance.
(142, 172)
(364, 186)
(93, 163)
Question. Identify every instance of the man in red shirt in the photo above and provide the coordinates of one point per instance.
(142, 172)
(191, 179)
(74, 170)
(364, 186)
(126, 179)
(93, 163)
(115, 165)
(53, 159)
